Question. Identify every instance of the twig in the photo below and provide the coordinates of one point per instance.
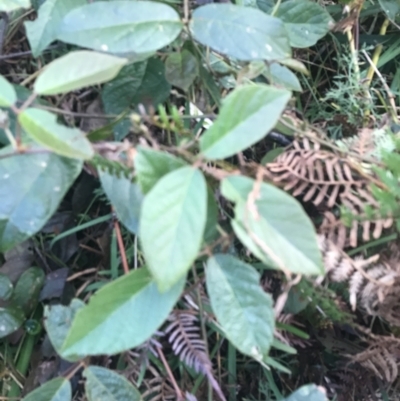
(385, 85)
(178, 391)
(121, 247)
(24, 152)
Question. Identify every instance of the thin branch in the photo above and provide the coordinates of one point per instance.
(178, 391)
(121, 247)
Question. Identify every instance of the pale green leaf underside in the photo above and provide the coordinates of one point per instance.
(105, 385)
(309, 392)
(129, 309)
(242, 307)
(125, 196)
(275, 228)
(42, 31)
(172, 224)
(7, 93)
(42, 126)
(121, 26)
(58, 389)
(306, 22)
(246, 116)
(58, 321)
(11, 5)
(29, 200)
(77, 70)
(151, 165)
(244, 33)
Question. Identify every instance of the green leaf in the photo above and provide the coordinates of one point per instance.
(240, 32)
(11, 5)
(210, 232)
(128, 310)
(151, 165)
(29, 200)
(125, 196)
(247, 114)
(282, 76)
(121, 26)
(118, 95)
(58, 321)
(306, 22)
(310, 392)
(7, 93)
(27, 290)
(43, 30)
(77, 70)
(42, 126)
(11, 318)
(22, 95)
(139, 83)
(105, 385)
(390, 7)
(274, 226)
(181, 69)
(172, 224)
(241, 306)
(6, 287)
(58, 389)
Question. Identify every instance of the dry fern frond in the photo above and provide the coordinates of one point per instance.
(328, 180)
(317, 175)
(158, 387)
(381, 358)
(376, 285)
(184, 336)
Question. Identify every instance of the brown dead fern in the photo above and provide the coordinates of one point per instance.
(329, 180)
(375, 286)
(184, 336)
(382, 357)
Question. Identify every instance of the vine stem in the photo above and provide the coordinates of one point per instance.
(121, 247)
(377, 52)
(385, 85)
(178, 391)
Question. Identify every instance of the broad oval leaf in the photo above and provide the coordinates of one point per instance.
(27, 290)
(283, 77)
(6, 287)
(121, 26)
(309, 392)
(8, 95)
(29, 200)
(246, 115)
(151, 165)
(241, 32)
(129, 310)
(138, 83)
(42, 126)
(43, 30)
(58, 320)
(274, 226)
(11, 318)
(11, 5)
(181, 69)
(241, 306)
(390, 7)
(125, 196)
(306, 22)
(58, 389)
(118, 95)
(172, 224)
(105, 385)
(77, 70)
